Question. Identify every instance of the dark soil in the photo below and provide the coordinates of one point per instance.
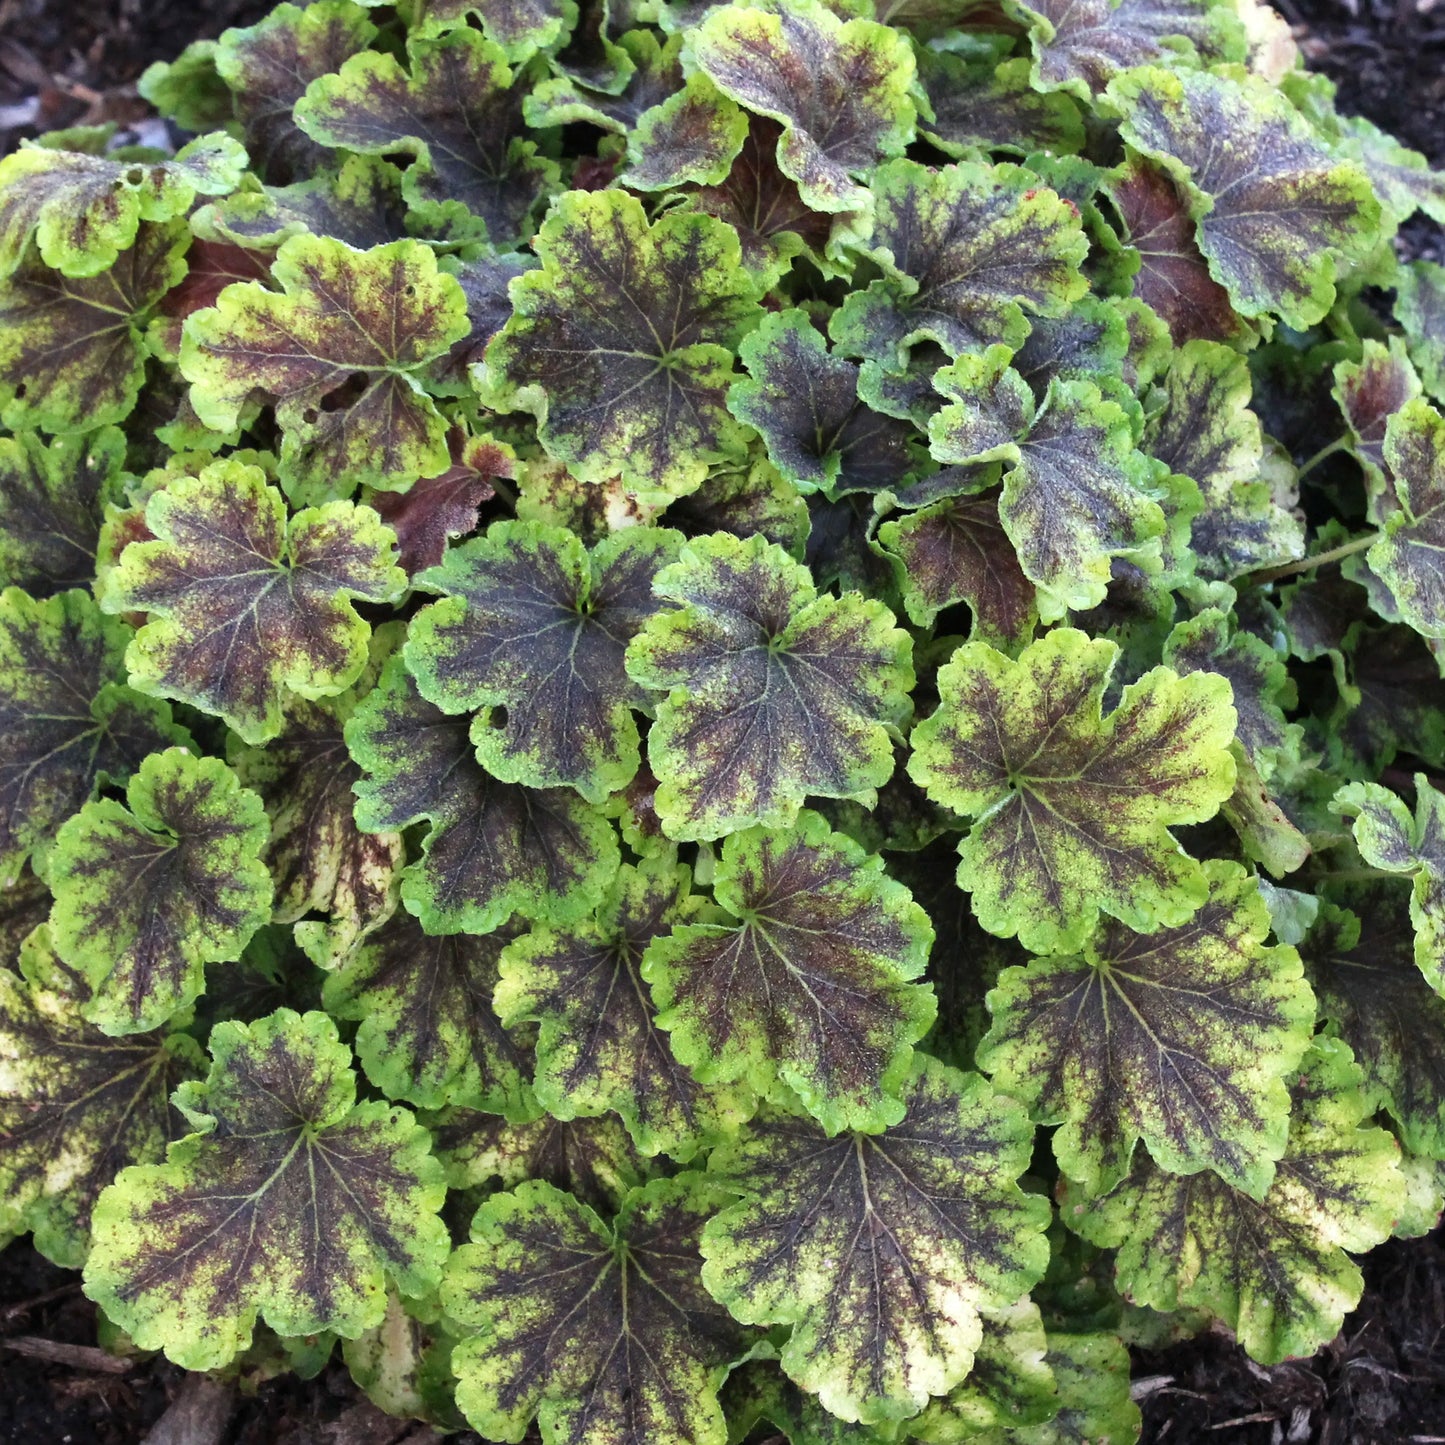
(1382, 1382)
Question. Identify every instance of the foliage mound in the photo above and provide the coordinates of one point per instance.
(723, 719)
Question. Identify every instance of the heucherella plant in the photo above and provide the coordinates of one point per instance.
(697, 697)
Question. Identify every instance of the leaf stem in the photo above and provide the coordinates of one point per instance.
(1324, 453)
(1320, 559)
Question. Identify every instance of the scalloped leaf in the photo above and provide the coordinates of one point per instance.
(843, 90)
(819, 432)
(494, 848)
(810, 985)
(84, 210)
(1077, 493)
(428, 1034)
(148, 893)
(1369, 392)
(1362, 967)
(530, 635)
(958, 551)
(1080, 45)
(622, 344)
(1180, 1038)
(1389, 838)
(66, 719)
(322, 863)
(54, 496)
(1205, 430)
(606, 1332)
(72, 348)
(457, 111)
(1073, 807)
(965, 249)
(774, 692)
(1276, 214)
(521, 27)
(1275, 1269)
(290, 1201)
(267, 67)
(598, 1045)
(1420, 309)
(1407, 556)
(983, 104)
(692, 135)
(748, 499)
(860, 1241)
(250, 607)
(337, 351)
(75, 1106)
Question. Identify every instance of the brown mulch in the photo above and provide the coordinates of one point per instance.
(1382, 1382)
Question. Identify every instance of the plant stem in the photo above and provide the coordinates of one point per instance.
(1324, 453)
(1320, 559)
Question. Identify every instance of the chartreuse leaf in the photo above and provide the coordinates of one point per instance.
(1081, 47)
(598, 1045)
(843, 90)
(1407, 558)
(53, 496)
(343, 318)
(531, 635)
(818, 431)
(1421, 312)
(1205, 430)
(75, 1106)
(692, 135)
(811, 984)
(147, 894)
(622, 344)
(774, 693)
(72, 349)
(1369, 392)
(249, 606)
(1389, 838)
(84, 210)
(457, 111)
(1008, 1387)
(1276, 213)
(1072, 808)
(1181, 1038)
(758, 1391)
(981, 104)
(958, 551)
(965, 249)
(1274, 1269)
(290, 1201)
(427, 1032)
(1361, 965)
(604, 1332)
(268, 66)
(1077, 492)
(865, 1242)
(66, 719)
(494, 848)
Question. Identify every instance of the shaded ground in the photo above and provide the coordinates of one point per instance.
(65, 62)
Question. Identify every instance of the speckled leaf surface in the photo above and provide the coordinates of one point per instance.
(75, 1106)
(66, 718)
(362, 321)
(428, 1034)
(773, 692)
(148, 893)
(1080, 826)
(1422, 315)
(858, 1240)
(1407, 557)
(1275, 1270)
(1182, 1038)
(249, 606)
(606, 1333)
(1276, 213)
(494, 848)
(530, 636)
(812, 982)
(456, 109)
(290, 1202)
(843, 90)
(599, 1047)
(965, 249)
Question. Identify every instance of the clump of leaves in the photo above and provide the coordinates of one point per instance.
(705, 625)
